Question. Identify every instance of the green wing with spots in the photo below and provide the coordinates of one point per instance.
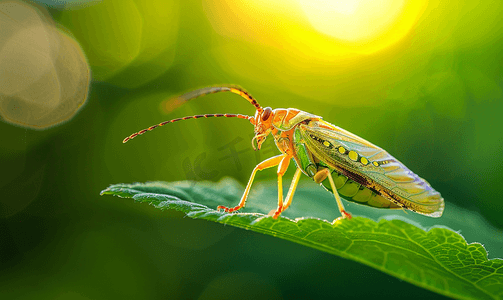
(370, 166)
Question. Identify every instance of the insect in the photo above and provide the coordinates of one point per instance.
(335, 158)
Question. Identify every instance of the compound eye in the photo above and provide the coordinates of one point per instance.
(266, 113)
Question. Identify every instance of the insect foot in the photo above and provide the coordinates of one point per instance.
(275, 213)
(227, 209)
(345, 215)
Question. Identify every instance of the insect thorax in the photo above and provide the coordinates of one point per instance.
(286, 119)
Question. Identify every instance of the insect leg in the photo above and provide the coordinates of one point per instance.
(283, 166)
(268, 163)
(293, 187)
(324, 173)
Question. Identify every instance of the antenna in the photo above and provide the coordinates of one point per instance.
(202, 92)
(184, 118)
(217, 89)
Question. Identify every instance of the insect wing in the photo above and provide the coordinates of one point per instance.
(371, 166)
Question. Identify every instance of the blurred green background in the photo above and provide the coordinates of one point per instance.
(423, 80)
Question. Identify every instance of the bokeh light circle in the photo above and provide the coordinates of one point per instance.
(44, 75)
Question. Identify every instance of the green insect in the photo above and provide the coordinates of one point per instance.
(340, 161)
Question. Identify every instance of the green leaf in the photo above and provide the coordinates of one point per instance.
(438, 259)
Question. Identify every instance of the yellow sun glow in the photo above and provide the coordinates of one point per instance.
(375, 23)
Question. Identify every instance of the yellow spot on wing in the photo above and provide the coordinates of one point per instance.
(326, 143)
(353, 155)
(342, 150)
(364, 161)
(375, 163)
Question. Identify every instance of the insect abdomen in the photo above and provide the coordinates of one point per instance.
(353, 191)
